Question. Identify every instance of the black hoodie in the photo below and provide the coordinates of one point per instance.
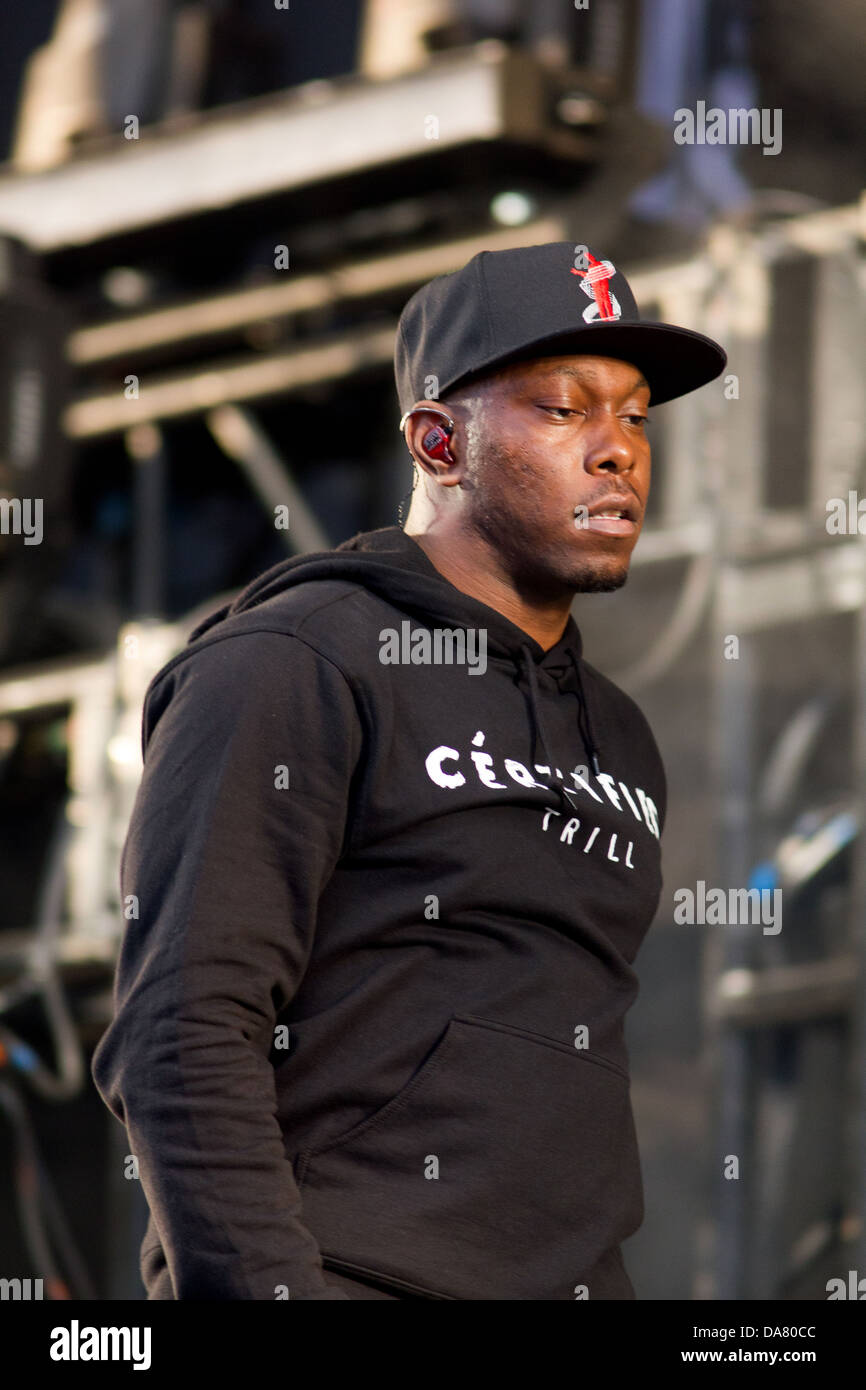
(382, 921)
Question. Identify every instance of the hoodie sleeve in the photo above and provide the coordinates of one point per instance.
(250, 746)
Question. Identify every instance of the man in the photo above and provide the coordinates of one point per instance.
(397, 843)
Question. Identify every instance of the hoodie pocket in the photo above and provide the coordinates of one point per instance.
(505, 1168)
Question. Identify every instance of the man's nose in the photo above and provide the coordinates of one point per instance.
(608, 449)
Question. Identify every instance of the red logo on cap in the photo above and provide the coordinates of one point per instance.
(605, 304)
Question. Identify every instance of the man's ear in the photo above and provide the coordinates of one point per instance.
(428, 429)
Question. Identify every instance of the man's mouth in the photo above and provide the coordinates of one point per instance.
(608, 517)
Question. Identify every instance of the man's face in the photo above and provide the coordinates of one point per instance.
(543, 438)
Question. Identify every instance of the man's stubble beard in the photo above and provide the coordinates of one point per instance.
(497, 525)
(594, 583)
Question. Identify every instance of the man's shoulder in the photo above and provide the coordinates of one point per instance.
(334, 620)
(335, 616)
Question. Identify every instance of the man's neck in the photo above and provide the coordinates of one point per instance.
(485, 582)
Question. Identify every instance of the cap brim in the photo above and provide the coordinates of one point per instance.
(674, 360)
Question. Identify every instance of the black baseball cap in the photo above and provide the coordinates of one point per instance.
(539, 301)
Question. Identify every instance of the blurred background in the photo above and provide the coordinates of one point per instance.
(211, 215)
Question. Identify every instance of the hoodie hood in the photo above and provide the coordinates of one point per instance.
(394, 566)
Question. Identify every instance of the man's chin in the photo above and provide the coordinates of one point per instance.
(599, 581)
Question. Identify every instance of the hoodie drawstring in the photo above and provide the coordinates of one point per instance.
(586, 727)
(585, 723)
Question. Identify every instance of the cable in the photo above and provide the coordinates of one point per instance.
(63, 1240)
(666, 651)
(34, 1189)
(26, 1175)
(42, 977)
(790, 752)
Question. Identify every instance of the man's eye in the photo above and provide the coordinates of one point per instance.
(560, 410)
(639, 420)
